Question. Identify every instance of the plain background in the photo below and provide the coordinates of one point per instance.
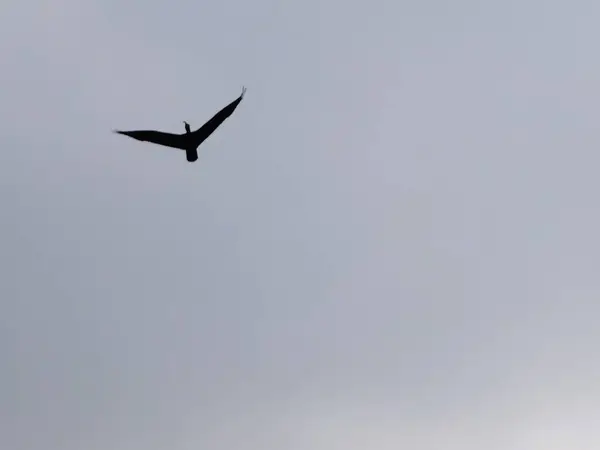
(391, 244)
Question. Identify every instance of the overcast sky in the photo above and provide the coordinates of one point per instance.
(391, 244)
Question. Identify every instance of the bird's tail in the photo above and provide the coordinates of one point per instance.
(191, 155)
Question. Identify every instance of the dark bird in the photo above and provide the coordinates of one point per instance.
(190, 140)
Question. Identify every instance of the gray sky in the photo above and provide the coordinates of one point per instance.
(392, 243)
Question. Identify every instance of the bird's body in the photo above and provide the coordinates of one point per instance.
(190, 140)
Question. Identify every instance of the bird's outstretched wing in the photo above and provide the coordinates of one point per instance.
(209, 127)
(157, 137)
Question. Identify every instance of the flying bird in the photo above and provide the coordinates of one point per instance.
(190, 140)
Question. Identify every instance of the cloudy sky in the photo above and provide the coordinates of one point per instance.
(391, 244)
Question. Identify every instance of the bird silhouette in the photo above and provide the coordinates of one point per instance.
(190, 140)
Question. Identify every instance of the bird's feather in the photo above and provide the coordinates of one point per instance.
(215, 121)
(158, 137)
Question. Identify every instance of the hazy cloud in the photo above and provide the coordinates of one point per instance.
(390, 244)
